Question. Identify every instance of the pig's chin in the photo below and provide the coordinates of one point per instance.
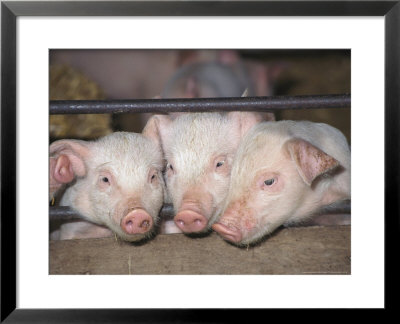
(135, 237)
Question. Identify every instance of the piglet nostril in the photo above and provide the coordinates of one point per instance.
(128, 226)
(145, 224)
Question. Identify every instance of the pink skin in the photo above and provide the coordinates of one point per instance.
(137, 221)
(239, 220)
(195, 210)
(190, 221)
(281, 191)
(66, 165)
(107, 191)
(232, 234)
(132, 220)
(197, 204)
(199, 150)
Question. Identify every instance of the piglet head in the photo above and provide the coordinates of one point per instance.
(199, 150)
(122, 187)
(271, 183)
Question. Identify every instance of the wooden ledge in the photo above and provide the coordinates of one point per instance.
(296, 250)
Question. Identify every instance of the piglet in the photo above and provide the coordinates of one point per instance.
(284, 173)
(115, 182)
(199, 150)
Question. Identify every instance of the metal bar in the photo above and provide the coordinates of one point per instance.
(340, 207)
(167, 211)
(65, 213)
(265, 104)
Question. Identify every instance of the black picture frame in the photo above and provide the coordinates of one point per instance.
(10, 10)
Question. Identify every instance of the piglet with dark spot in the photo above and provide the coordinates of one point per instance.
(283, 173)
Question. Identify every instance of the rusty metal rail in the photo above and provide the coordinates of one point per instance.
(265, 104)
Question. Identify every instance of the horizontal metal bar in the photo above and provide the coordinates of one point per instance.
(63, 213)
(340, 207)
(264, 104)
(66, 213)
(167, 211)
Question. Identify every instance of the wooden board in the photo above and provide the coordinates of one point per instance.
(297, 250)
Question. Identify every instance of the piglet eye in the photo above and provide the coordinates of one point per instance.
(269, 182)
(153, 177)
(220, 164)
(170, 168)
(104, 181)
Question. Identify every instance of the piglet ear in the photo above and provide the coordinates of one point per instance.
(310, 161)
(157, 128)
(61, 169)
(67, 161)
(244, 120)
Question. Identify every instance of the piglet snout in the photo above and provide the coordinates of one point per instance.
(230, 233)
(190, 221)
(136, 222)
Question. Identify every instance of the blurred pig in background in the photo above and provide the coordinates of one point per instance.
(284, 173)
(114, 183)
(145, 74)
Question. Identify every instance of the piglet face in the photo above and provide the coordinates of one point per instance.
(199, 150)
(129, 208)
(273, 182)
(260, 201)
(121, 186)
(200, 195)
